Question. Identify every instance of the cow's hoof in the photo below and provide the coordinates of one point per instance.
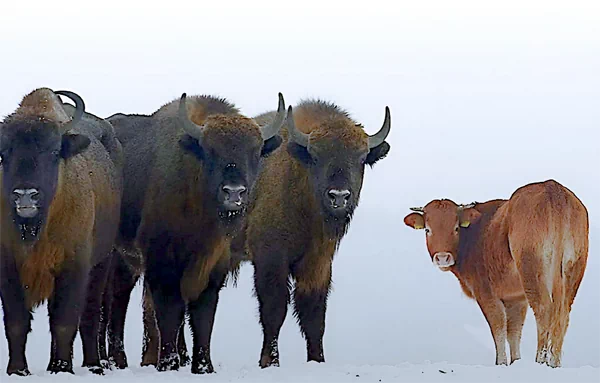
(57, 366)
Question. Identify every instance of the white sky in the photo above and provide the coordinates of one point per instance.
(484, 97)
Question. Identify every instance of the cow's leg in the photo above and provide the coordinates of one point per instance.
(531, 270)
(202, 316)
(89, 323)
(516, 311)
(273, 293)
(163, 278)
(563, 298)
(123, 283)
(64, 309)
(495, 314)
(17, 318)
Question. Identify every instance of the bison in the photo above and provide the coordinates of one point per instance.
(531, 249)
(60, 192)
(302, 205)
(189, 169)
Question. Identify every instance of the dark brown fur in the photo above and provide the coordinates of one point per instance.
(530, 249)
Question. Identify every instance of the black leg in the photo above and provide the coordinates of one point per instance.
(151, 337)
(105, 313)
(163, 279)
(64, 309)
(17, 318)
(184, 358)
(89, 324)
(202, 317)
(273, 293)
(310, 310)
(123, 283)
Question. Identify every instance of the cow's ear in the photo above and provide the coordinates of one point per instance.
(73, 144)
(415, 220)
(300, 153)
(377, 153)
(468, 216)
(270, 145)
(191, 145)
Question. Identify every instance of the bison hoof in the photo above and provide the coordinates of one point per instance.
(118, 362)
(268, 361)
(105, 363)
(57, 366)
(184, 359)
(96, 370)
(169, 363)
(18, 371)
(203, 368)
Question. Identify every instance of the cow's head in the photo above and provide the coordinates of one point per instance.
(335, 153)
(33, 143)
(443, 221)
(230, 146)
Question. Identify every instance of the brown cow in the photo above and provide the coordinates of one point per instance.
(505, 253)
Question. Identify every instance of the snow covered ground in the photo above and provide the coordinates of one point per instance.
(485, 97)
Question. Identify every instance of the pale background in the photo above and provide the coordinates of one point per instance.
(484, 98)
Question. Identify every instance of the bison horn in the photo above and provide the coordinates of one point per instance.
(296, 136)
(79, 109)
(378, 138)
(272, 129)
(189, 126)
(417, 209)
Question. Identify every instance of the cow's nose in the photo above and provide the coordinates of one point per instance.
(234, 196)
(339, 198)
(26, 202)
(443, 259)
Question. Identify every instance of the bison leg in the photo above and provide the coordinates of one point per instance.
(17, 318)
(310, 310)
(105, 313)
(64, 309)
(164, 282)
(495, 314)
(151, 341)
(273, 295)
(516, 311)
(89, 324)
(184, 358)
(123, 283)
(202, 317)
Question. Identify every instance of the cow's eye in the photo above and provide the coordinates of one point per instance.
(456, 229)
(427, 231)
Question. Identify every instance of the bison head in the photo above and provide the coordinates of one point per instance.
(335, 153)
(32, 146)
(442, 221)
(229, 147)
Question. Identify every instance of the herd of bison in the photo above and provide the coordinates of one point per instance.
(187, 194)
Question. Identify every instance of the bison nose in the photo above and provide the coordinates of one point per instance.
(26, 202)
(235, 196)
(339, 198)
(443, 259)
